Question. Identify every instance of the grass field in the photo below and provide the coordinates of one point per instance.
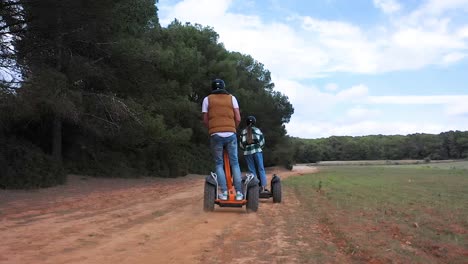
(389, 213)
(378, 162)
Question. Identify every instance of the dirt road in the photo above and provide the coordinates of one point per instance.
(97, 221)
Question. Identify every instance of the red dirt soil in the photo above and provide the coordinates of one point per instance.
(150, 220)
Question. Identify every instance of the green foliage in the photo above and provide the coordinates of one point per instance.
(308, 153)
(24, 165)
(447, 145)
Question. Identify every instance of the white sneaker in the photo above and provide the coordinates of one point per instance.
(223, 196)
(239, 196)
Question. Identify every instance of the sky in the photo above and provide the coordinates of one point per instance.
(355, 68)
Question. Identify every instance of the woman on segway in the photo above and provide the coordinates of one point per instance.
(252, 142)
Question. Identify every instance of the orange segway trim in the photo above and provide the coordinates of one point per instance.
(231, 190)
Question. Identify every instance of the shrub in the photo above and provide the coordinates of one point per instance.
(25, 165)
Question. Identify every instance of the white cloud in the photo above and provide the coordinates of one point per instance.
(418, 99)
(437, 7)
(200, 11)
(361, 113)
(463, 32)
(303, 47)
(310, 47)
(454, 105)
(357, 92)
(453, 57)
(331, 87)
(307, 100)
(327, 128)
(346, 46)
(374, 127)
(387, 6)
(412, 38)
(457, 109)
(366, 114)
(330, 28)
(289, 56)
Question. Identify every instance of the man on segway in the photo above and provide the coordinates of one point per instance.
(221, 116)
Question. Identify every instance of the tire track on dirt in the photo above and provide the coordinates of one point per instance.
(278, 233)
(52, 234)
(149, 227)
(161, 221)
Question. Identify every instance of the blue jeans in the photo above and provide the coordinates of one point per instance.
(217, 144)
(256, 159)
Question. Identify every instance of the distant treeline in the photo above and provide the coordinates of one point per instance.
(447, 145)
(100, 88)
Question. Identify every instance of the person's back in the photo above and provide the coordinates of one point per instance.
(252, 142)
(221, 116)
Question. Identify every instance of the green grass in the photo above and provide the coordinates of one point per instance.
(459, 165)
(377, 209)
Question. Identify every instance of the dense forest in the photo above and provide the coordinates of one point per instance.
(100, 88)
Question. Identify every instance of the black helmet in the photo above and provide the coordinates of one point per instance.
(250, 120)
(217, 84)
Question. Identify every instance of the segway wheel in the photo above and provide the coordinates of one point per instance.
(276, 191)
(252, 199)
(209, 197)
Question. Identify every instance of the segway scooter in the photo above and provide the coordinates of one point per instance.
(275, 190)
(250, 190)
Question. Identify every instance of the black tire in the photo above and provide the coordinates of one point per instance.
(209, 197)
(252, 198)
(276, 191)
